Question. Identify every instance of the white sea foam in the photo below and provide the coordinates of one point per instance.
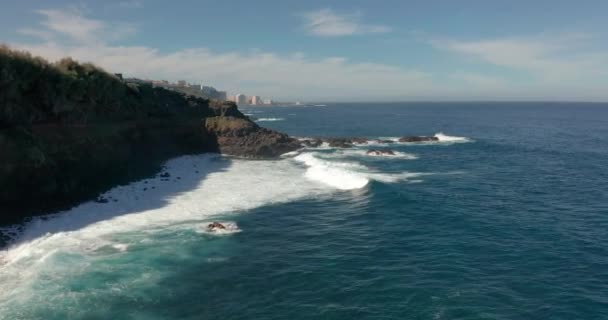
(120, 247)
(442, 139)
(345, 175)
(269, 119)
(341, 175)
(290, 154)
(445, 138)
(199, 188)
(363, 153)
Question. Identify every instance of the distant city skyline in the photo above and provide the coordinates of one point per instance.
(388, 50)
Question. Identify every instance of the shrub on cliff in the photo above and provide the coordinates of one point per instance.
(33, 90)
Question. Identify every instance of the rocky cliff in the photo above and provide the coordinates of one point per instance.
(69, 131)
(237, 135)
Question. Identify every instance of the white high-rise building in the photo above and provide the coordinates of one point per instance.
(240, 99)
(255, 100)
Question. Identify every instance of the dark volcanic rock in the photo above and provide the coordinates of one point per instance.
(374, 152)
(70, 131)
(417, 139)
(345, 142)
(339, 142)
(237, 135)
(311, 143)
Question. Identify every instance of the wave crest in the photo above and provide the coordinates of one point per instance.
(269, 119)
(445, 138)
(345, 175)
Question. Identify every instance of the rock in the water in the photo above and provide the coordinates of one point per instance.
(417, 139)
(375, 152)
(339, 142)
(311, 143)
(345, 142)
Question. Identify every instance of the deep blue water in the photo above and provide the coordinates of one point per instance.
(512, 224)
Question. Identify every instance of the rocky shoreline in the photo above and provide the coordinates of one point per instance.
(349, 142)
(70, 131)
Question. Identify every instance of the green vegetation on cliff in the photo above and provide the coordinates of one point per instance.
(34, 91)
(69, 131)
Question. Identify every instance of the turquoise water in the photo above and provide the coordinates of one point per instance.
(505, 218)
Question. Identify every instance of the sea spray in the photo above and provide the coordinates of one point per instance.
(345, 175)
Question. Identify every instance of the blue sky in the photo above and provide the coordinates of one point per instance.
(334, 50)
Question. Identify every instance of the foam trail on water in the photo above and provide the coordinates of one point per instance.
(336, 174)
(345, 175)
(445, 138)
(269, 119)
(441, 139)
(194, 191)
(363, 153)
(199, 188)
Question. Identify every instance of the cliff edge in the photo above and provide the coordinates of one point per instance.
(69, 131)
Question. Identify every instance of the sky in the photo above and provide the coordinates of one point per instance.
(382, 50)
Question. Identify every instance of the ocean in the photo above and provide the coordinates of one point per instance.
(505, 217)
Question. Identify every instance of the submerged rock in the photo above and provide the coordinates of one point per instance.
(417, 139)
(375, 152)
(215, 225)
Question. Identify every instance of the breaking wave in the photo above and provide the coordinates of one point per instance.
(363, 153)
(199, 189)
(445, 138)
(345, 175)
(441, 139)
(269, 119)
(192, 192)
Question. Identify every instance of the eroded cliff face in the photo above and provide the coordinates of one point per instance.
(237, 135)
(72, 131)
(48, 167)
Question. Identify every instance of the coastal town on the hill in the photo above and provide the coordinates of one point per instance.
(208, 92)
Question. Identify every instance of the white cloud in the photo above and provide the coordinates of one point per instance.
(326, 23)
(549, 58)
(296, 76)
(262, 73)
(71, 24)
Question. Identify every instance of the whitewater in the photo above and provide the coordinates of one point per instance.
(186, 196)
